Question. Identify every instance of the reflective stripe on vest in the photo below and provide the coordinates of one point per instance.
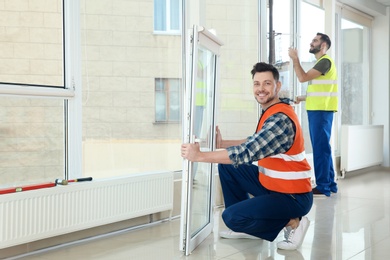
(286, 175)
(296, 157)
(200, 93)
(321, 92)
(321, 82)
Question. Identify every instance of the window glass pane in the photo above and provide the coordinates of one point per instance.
(175, 15)
(121, 61)
(308, 31)
(354, 75)
(32, 141)
(31, 43)
(160, 85)
(174, 101)
(160, 15)
(174, 85)
(238, 30)
(161, 107)
(279, 42)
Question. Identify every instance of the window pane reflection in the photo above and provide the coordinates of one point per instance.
(355, 78)
(238, 30)
(131, 89)
(307, 59)
(31, 43)
(32, 140)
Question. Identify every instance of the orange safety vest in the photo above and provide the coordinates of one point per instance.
(286, 172)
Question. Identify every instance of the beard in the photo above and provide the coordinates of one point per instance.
(270, 99)
(315, 49)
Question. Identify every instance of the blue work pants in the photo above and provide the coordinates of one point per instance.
(266, 213)
(320, 127)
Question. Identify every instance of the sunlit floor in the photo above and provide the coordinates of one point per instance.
(353, 224)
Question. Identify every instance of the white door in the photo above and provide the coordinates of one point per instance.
(199, 126)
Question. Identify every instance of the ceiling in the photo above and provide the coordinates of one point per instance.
(384, 2)
(373, 8)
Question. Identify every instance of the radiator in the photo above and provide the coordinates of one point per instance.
(361, 147)
(38, 214)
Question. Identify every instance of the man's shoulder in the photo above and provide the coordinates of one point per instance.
(323, 65)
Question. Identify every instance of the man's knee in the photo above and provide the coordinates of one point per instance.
(232, 220)
(227, 217)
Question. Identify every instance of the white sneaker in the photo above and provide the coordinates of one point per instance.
(287, 231)
(294, 237)
(231, 234)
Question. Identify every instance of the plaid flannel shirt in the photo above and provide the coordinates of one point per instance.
(276, 136)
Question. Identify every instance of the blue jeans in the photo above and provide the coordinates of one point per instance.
(266, 213)
(320, 127)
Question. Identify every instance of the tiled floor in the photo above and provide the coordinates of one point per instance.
(353, 224)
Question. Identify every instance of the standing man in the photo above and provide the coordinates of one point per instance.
(321, 103)
(280, 182)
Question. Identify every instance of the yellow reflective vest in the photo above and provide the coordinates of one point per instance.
(321, 92)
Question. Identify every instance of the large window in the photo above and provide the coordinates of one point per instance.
(279, 40)
(32, 140)
(308, 30)
(355, 73)
(131, 83)
(236, 25)
(32, 126)
(31, 43)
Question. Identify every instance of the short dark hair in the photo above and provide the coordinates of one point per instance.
(264, 67)
(325, 38)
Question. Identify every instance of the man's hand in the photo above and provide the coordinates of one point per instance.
(190, 152)
(218, 138)
(298, 99)
(293, 53)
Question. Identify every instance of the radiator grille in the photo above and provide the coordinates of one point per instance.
(33, 215)
(361, 147)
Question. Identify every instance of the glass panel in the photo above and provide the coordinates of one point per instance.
(279, 41)
(175, 15)
(203, 127)
(32, 141)
(354, 73)
(237, 111)
(308, 31)
(161, 106)
(174, 101)
(121, 61)
(160, 15)
(31, 43)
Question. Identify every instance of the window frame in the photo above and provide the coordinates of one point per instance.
(29, 90)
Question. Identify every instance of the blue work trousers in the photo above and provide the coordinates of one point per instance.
(320, 127)
(266, 213)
